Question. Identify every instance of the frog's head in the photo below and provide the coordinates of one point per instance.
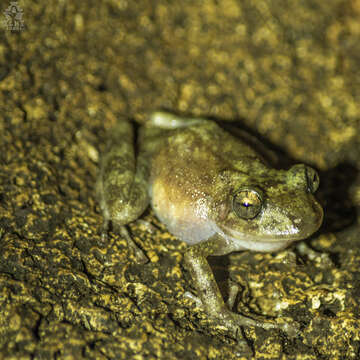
(267, 209)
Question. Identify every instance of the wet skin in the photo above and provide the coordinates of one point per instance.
(212, 191)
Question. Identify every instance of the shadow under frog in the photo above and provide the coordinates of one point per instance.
(212, 191)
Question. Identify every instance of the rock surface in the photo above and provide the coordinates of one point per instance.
(286, 70)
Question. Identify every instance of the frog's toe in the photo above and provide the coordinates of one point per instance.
(242, 347)
(149, 227)
(191, 296)
(104, 231)
(233, 292)
(291, 329)
(140, 257)
(104, 236)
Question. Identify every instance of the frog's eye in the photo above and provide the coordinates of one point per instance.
(247, 203)
(312, 179)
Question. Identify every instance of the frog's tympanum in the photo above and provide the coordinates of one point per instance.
(212, 191)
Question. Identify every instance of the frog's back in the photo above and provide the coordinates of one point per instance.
(209, 138)
(205, 144)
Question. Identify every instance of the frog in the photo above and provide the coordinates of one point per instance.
(211, 190)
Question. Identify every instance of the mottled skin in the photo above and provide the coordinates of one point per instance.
(212, 191)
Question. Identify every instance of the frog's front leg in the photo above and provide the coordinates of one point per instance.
(209, 293)
(122, 185)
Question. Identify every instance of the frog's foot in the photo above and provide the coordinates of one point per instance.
(306, 250)
(242, 345)
(232, 321)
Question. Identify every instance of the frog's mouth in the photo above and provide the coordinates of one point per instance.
(264, 242)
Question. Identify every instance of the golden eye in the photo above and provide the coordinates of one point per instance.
(312, 179)
(247, 203)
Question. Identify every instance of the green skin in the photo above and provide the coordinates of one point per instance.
(212, 191)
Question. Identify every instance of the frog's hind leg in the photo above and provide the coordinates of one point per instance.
(122, 185)
(209, 294)
(169, 121)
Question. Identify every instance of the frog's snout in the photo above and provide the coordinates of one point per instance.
(303, 177)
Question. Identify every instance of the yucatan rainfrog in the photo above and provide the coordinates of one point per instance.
(212, 191)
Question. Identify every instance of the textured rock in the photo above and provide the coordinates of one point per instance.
(286, 70)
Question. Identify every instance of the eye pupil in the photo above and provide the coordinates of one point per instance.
(246, 204)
